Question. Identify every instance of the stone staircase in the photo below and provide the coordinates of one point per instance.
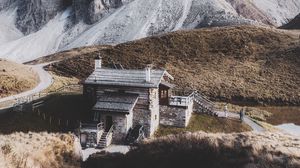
(105, 139)
(204, 105)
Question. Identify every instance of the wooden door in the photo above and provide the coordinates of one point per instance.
(108, 123)
(163, 97)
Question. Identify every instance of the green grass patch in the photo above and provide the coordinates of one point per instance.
(206, 123)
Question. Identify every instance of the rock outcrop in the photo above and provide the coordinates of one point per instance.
(70, 24)
(33, 14)
(293, 24)
(90, 11)
(6, 3)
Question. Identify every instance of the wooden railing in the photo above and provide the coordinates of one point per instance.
(98, 127)
(187, 97)
(180, 101)
(109, 136)
(204, 102)
(27, 99)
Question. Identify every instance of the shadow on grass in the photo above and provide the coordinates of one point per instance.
(182, 151)
(60, 113)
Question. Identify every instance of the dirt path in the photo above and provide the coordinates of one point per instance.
(45, 81)
(255, 127)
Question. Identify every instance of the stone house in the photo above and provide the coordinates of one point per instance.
(123, 99)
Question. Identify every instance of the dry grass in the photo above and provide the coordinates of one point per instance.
(60, 81)
(15, 78)
(206, 123)
(253, 112)
(281, 115)
(37, 150)
(239, 64)
(240, 150)
(69, 54)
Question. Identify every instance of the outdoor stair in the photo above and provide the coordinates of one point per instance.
(206, 106)
(103, 141)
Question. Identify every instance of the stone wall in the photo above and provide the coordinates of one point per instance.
(154, 110)
(188, 113)
(129, 121)
(146, 111)
(175, 116)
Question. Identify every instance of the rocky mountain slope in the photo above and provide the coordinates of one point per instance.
(293, 24)
(246, 64)
(33, 28)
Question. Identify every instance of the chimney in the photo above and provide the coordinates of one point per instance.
(98, 62)
(148, 73)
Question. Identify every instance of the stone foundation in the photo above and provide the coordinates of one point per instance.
(175, 116)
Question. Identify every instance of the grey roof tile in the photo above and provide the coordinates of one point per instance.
(116, 102)
(124, 77)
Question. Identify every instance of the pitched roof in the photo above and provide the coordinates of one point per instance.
(116, 103)
(125, 77)
(167, 84)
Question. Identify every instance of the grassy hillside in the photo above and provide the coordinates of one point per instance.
(241, 150)
(244, 64)
(15, 78)
(36, 150)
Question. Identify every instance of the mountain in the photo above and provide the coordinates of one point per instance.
(33, 28)
(244, 64)
(293, 24)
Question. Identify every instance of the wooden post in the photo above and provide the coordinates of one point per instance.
(67, 123)
(59, 122)
(44, 115)
(39, 113)
(50, 120)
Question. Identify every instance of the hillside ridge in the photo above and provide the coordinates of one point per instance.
(243, 64)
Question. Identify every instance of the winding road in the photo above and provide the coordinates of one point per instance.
(45, 81)
(255, 127)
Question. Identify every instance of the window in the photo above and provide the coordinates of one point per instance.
(96, 116)
(163, 94)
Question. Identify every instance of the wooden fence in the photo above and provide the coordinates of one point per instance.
(19, 102)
